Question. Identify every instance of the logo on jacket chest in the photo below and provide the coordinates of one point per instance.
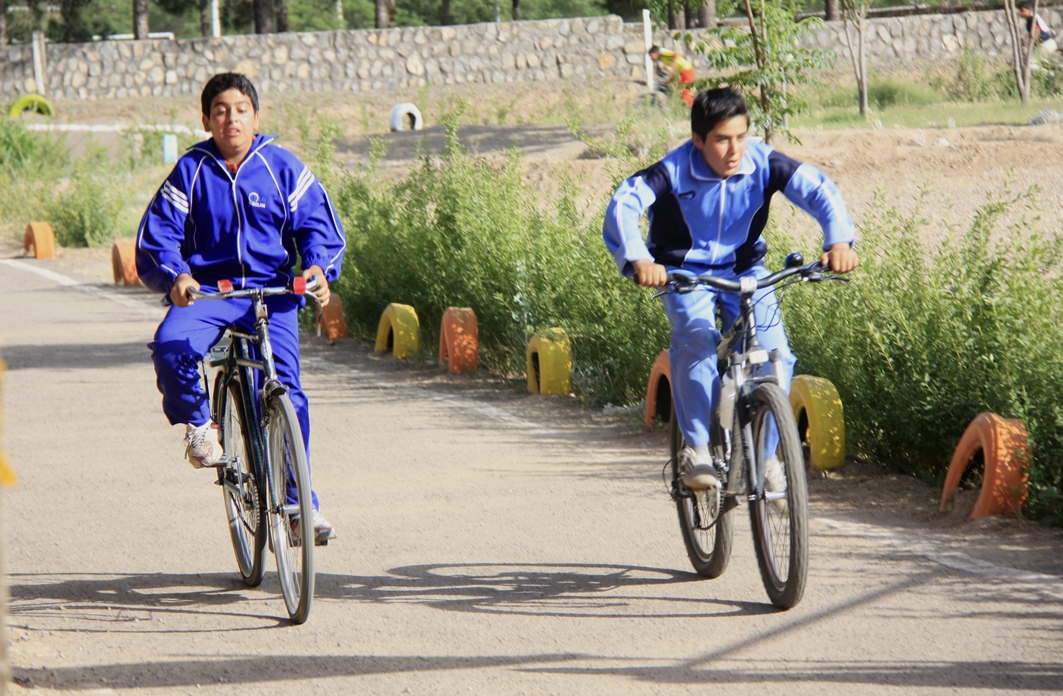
(255, 201)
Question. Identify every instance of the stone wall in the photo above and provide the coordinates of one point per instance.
(365, 60)
(340, 60)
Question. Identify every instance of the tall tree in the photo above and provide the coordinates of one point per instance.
(280, 15)
(707, 14)
(444, 12)
(830, 10)
(857, 14)
(204, 17)
(262, 11)
(383, 13)
(516, 10)
(1022, 60)
(74, 28)
(3, 23)
(140, 19)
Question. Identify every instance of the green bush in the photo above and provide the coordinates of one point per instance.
(887, 92)
(21, 149)
(87, 213)
(462, 231)
(929, 334)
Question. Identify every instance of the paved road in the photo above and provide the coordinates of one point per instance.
(490, 543)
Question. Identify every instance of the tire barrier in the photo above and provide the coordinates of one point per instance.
(41, 239)
(406, 116)
(332, 319)
(659, 390)
(124, 263)
(820, 420)
(550, 363)
(459, 340)
(31, 102)
(397, 331)
(1005, 450)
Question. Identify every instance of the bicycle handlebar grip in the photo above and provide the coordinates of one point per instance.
(299, 286)
(225, 286)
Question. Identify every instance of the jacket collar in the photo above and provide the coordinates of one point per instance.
(700, 170)
(210, 148)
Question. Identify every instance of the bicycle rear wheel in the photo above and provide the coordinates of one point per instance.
(708, 547)
(244, 497)
(292, 522)
(780, 512)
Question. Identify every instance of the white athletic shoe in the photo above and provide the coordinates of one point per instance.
(695, 476)
(775, 481)
(323, 529)
(202, 448)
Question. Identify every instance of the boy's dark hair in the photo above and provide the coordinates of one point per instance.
(1024, 6)
(223, 82)
(714, 106)
(654, 49)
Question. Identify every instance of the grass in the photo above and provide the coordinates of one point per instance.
(940, 115)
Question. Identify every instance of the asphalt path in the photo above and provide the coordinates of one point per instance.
(490, 543)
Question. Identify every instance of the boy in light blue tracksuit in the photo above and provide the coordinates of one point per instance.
(708, 204)
(236, 207)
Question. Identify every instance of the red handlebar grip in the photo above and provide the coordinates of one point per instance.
(225, 286)
(299, 286)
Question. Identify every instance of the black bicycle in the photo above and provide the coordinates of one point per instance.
(264, 455)
(754, 413)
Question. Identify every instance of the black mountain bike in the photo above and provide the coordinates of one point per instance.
(754, 411)
(264, 455)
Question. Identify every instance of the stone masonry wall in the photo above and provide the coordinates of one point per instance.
(365, 60)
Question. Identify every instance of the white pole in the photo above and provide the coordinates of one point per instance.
(38, 62)
(215, 19)
(647, 33)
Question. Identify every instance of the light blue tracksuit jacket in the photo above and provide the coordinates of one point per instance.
(705, 224)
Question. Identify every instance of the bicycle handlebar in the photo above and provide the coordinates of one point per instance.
(299, 286)
(683, 283)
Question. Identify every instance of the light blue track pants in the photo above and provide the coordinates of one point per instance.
(695, 380)
(187, 333)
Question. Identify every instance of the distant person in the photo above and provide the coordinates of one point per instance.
(680, 72)
(1046, 42)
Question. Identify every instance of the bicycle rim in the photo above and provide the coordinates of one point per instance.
(240, 489)
(780, 516)
(708, 547)
(291, 522)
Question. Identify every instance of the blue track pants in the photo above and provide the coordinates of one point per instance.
(695, 380)
(187, 333)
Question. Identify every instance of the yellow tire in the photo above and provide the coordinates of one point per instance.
(398, 331)
(821, 419)
(31, 102)
(550, 363)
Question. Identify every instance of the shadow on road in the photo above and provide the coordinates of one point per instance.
(75, 356)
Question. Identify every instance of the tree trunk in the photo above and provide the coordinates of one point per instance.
(204, 17)
(707, 14)
(3, 23)
(383, 14)
(140, 19)
(262, 10)
(858, 53)
(765, 103)
(280, 15)
(444, 12)
(339, 13)
(831, 12)
(516, 10)
(688, 15)
(1021, 64)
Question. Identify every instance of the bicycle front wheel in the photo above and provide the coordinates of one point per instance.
(780, 511)
(244, 496)
(708, 545)
(292, 520)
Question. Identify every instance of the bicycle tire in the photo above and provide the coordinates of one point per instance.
(709, 550)
(245, 499)
(291, 525)
(780, 527)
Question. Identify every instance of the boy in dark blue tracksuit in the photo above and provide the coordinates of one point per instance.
(236, 207)
(708, 204)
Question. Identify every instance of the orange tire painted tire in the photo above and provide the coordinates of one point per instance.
(332, 319)
(659, 390)
(459, 340)
(1005, 449)
(124, 263)
(41, 239)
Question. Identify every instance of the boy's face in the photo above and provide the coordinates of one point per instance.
(1025, 12)
(232, 123)
(724, 146)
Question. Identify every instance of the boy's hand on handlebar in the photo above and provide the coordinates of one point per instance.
(321, 292)
(649, 274)
(841, 258)
(179, 290)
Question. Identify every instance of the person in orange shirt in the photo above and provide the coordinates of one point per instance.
(680, 70)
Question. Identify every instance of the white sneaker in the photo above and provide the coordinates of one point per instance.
(202, 448)
(323, 529)
(694, 475)
(775, 481)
